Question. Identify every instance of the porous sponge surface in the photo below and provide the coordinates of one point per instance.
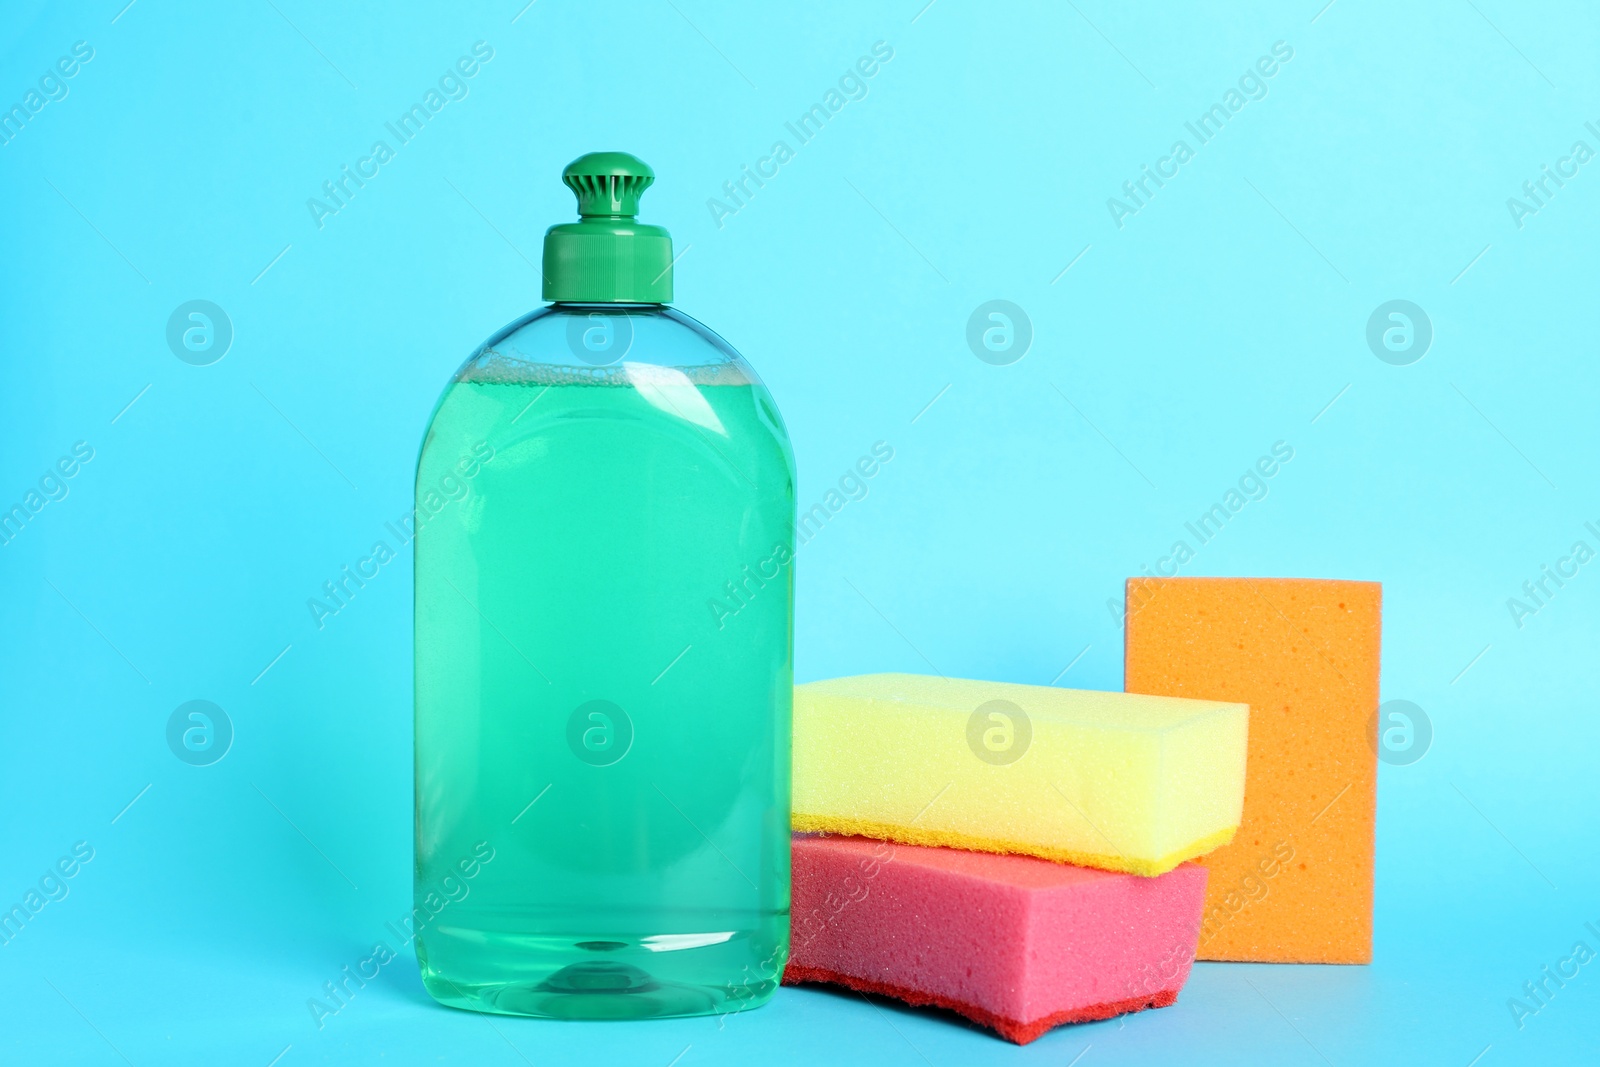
(1108, 780)
(1015, 943)
(1296, 883)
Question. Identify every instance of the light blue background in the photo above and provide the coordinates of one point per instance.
(1226, 315)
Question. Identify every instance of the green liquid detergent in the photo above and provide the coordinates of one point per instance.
(604, 633)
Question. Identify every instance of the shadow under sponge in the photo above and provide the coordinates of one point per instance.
(1014, 943)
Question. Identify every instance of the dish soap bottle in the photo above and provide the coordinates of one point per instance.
(604, 648)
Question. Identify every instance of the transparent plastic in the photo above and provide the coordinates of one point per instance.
(604, 673)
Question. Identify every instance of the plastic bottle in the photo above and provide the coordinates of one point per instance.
(604, 634)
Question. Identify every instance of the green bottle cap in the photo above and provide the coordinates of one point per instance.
(607, 256)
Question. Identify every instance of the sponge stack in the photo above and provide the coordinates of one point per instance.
(1117, 781)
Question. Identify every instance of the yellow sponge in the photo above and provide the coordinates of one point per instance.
(1119, 781)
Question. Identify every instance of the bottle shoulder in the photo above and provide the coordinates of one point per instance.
(577, 343)
(564, 364)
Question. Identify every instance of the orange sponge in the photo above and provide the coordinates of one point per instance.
(1295, 886)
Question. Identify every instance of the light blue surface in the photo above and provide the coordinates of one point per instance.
(1228, 313)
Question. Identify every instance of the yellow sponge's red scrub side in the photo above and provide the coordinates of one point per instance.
(1295, 885)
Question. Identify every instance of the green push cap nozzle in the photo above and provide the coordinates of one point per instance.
(607, 256)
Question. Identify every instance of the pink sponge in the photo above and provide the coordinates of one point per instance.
(1014, 943)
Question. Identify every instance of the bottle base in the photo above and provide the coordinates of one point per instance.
(590, 978)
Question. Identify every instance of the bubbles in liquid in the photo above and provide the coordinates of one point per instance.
(504, 369)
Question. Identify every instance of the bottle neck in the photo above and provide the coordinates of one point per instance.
(612, 305)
